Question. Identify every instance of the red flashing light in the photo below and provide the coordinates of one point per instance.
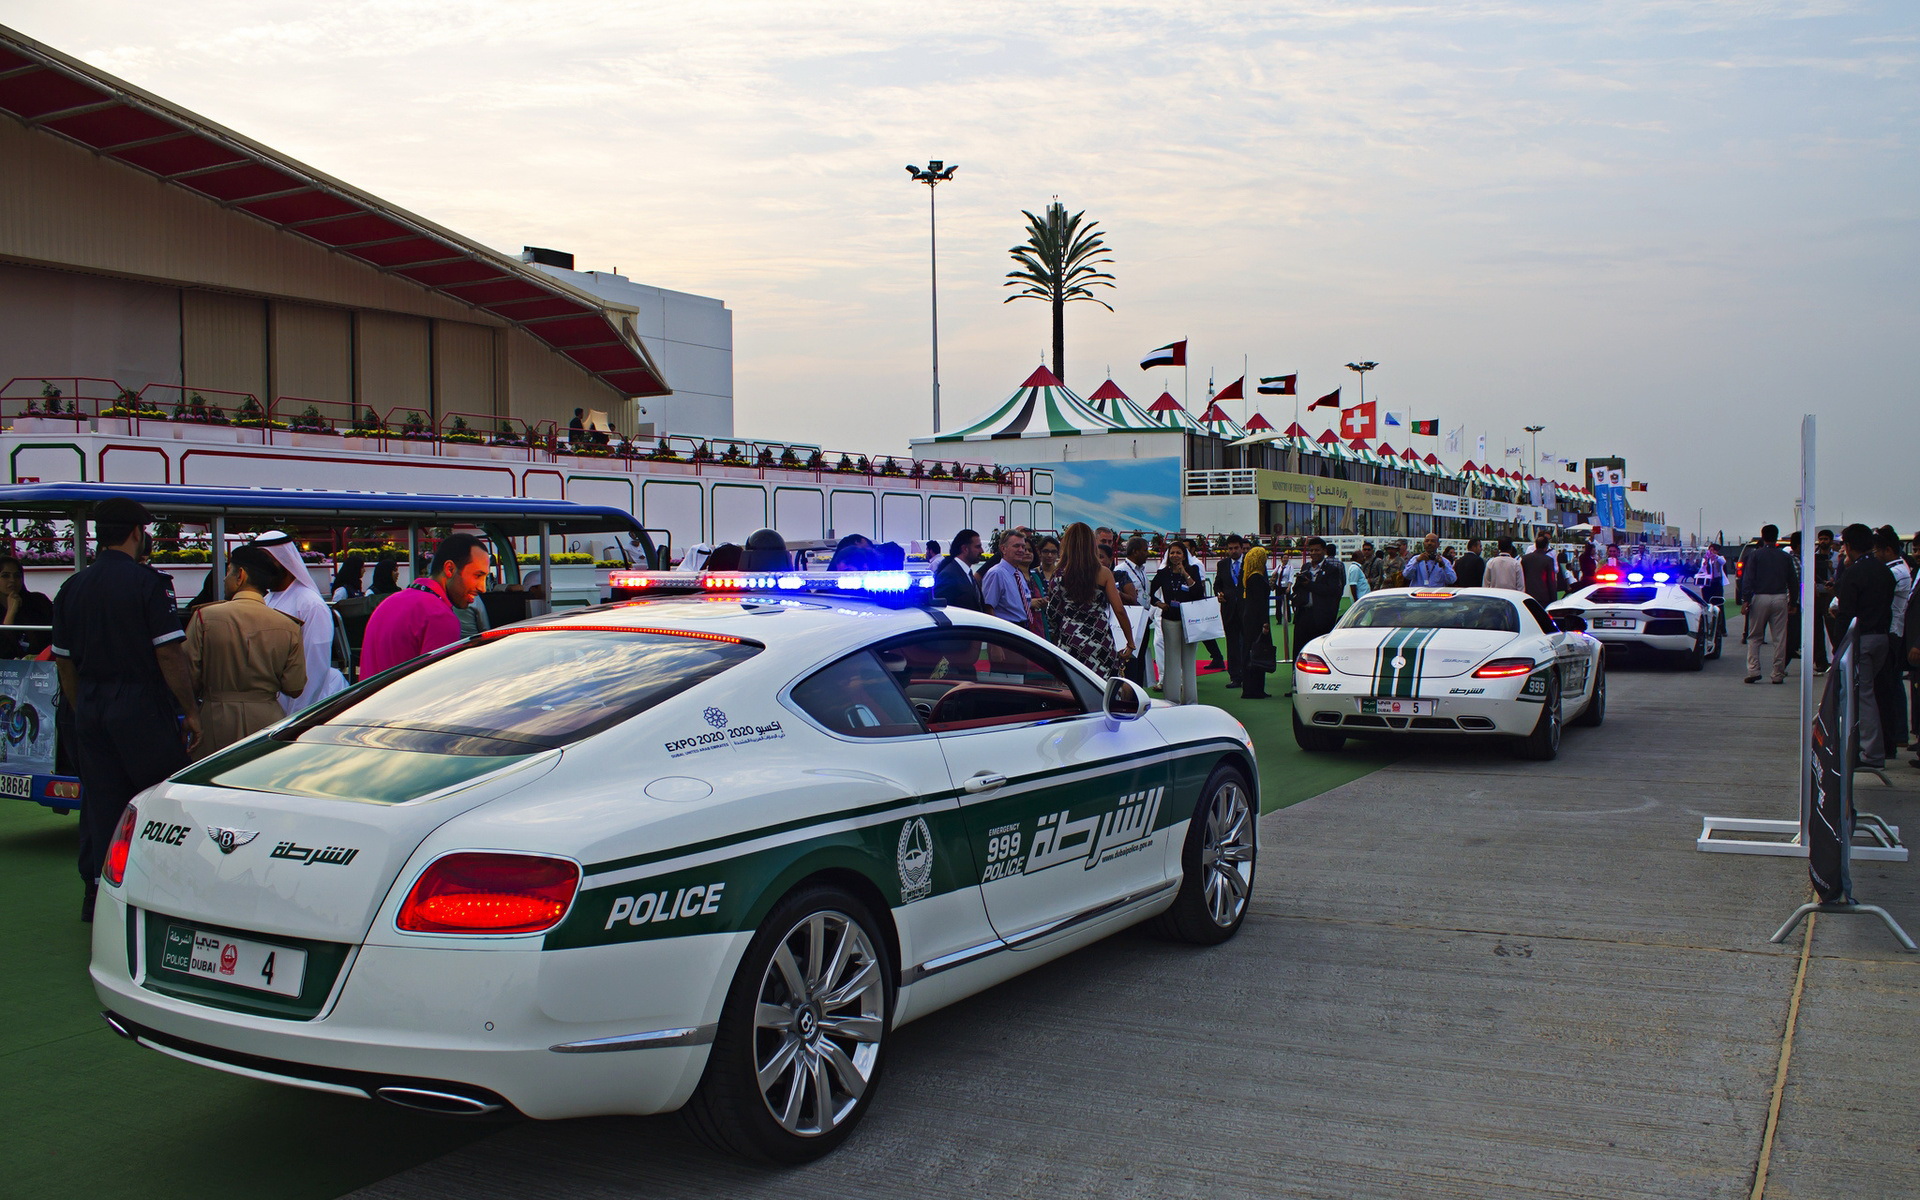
(114, 869)
(1312, 664)
(1505, 668)
(482, 893)
(1606, 575)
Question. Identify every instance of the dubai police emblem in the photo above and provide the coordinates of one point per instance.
(915, 859)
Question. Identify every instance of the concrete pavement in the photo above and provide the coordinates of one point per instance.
(1465, 976)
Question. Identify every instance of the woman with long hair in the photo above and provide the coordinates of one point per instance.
(347, 580)
(386, 574)
(1077, 607)
(1255, 626)
(1174, 585)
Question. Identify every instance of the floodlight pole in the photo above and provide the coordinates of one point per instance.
(937, 172)
(1362, 368)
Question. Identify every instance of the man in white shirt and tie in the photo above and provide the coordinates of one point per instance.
(1005, 589)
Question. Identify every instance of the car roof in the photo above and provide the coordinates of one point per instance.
(1507, 594)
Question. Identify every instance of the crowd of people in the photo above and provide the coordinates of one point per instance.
(1862, 582)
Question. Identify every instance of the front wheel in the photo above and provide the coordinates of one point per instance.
(1216, 863)
(796, 1059)
(1544, 742)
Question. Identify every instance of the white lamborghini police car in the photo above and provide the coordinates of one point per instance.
(1482, 661)
(1649, 609)
(705, 849)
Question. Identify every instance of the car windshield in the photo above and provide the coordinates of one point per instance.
(519, 691)
(1438, 611)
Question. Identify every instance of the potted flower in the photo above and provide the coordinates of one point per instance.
(939, 471)
(311, 429)
(789, 459)
(414, 436)
(890, 467)
(844, 466)
(816, 462)
(733, 457)
(764, 458)
(195, 417)
(918, 470)
(127, 407)
(464, 441)
(47, 413)
(365, 428)
(701, 454)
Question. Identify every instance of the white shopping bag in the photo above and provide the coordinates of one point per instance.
(1200, 620)
(1137, 617)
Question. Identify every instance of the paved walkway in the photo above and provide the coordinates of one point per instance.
(1465, 976)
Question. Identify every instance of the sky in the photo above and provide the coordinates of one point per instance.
(1662, 229)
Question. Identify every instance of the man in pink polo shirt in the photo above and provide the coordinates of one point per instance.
(420, 618)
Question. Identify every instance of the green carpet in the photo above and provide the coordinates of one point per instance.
(90, 1115)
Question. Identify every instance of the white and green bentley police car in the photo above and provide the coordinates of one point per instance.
(703, 850)
(1481, 661)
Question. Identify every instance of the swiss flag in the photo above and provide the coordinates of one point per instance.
(1358, 421)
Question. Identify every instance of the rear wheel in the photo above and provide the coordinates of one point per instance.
(1695, 658)
(1544, 742)
(1315, 741)
(1596, 709)
(796, 1059)
(1216, 863)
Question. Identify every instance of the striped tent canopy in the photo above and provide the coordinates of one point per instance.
(1167, 413)
(1115, 406)
(1040, 407)
(1258, 423)
(1439, 468)
(1361, 452)
(1219, 424)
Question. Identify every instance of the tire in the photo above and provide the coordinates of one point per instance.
(1596, 709)
(820, 942)
(1719, 636)
(1216, 863)
(1696, 658)
(1543, 744)
(1315, 741)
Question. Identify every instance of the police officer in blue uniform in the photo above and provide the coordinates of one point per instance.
(124, 671)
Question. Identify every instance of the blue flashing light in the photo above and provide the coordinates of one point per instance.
(884, 587)
(1661, 577)
(1635, 577)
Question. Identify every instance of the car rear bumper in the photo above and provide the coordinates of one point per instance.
(467, 1030)
(1631, 641)
(1460, 714)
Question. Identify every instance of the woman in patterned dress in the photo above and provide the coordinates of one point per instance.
(1077, 606)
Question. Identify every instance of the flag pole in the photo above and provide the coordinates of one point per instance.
(1186, 381)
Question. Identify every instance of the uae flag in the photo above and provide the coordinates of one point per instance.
(1358, 422)
(1276, 385)
(1233, 391)
(1330, 400)
(1171, 355)
(1427, 428)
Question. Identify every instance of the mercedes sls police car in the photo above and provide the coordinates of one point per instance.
(1649, 609)
(1482, 661)
(699, 850)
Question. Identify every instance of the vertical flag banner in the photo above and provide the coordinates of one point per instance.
(1453, 439)
(1480, 451)
(1174, 354)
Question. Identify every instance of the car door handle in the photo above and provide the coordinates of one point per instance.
(985, 781)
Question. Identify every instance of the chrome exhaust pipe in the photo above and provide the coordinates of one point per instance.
(444, 1104)
(114, 1023)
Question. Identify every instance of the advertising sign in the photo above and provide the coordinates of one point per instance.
(27, 691)
(1830, 823)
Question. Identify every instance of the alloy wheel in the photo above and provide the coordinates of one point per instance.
(818, 1022)
(1226, 853)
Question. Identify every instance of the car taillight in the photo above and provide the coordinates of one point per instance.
(490, 893)
(1666, 614)
(1560, 614)
(1607, 575)
(114, 869)
(1505, 668)
(1312, 664)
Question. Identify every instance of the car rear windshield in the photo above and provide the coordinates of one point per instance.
(1432, 612)
(519, 691)
(1621, 595)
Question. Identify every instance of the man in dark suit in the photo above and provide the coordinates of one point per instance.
(1469, 569)
(953, 580)
(1316, 594)
(1541, 571)
(1226, 586)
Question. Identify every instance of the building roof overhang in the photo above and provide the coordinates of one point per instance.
(62, 96)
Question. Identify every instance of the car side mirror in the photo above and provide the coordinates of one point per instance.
(1571, 624)
(1125, 700)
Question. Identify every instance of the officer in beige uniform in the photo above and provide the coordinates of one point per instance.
(244, 655)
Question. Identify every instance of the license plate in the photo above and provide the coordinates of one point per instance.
(1614, 623)
(258, 965)
(1382, 707)
(17, 785)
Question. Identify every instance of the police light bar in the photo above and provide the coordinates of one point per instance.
(885, 587)
(1606, 575)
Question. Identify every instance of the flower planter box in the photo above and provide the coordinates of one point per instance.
(507, 453)
(59, 426)
(422, 447)
(361, 445)
(307, 439)
(114, 426)
(466, 450)
(195, 431)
